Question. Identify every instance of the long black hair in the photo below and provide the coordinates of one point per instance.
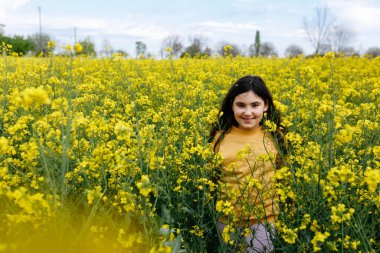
(226, 117)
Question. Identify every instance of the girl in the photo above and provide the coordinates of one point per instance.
(249, 150)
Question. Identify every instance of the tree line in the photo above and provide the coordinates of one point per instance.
(37, 45)
(322, 30)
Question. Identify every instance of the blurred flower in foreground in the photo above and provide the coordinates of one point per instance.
(33, 97)
(51, 44)
(123, 130)
(78, 48)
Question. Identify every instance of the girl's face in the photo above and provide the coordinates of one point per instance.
(248, 110)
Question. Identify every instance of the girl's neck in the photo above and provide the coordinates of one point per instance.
(246, 131)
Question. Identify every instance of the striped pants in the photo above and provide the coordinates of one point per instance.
(258, 241)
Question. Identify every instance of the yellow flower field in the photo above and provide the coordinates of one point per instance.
(112, 155)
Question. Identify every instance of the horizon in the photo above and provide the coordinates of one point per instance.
(122, 23)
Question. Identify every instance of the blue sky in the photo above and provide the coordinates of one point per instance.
(122, 23)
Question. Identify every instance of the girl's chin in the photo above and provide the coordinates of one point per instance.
(248, 126)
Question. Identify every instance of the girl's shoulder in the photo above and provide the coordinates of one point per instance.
(216, 137)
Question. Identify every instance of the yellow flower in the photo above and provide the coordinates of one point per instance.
(144, 186)
(339, 214)
(94, 194)
(3, 247)
(376, 152)
(341, 174)
(372, 178)
(68, 48)
(290, 236)
(161, 249)
(224, 207)
(123, 130)
(227, 232)
(345, 135)
(305, 221)
(197, 231)
(283, 173)
(78, 48)
(294, 138)
(319, 238)
(329, 55)
(227, 50)
(270, 126)
(33, 97)
(314, 226)
(128, 239)
(243, 153)
(51, 44)
(168, 50)
(4, 146)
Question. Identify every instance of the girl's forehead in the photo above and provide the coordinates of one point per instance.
(249, 95)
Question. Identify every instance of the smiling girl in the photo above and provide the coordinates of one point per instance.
(247, 199)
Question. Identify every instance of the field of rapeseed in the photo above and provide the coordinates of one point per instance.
(111, 155)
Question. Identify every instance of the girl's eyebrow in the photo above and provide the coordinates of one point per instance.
(254, 102)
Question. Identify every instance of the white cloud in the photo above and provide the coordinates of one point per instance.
(367, 18)
(362, 14)
(248, 3)
(8, 6)
(297, 33)
(227, 27)
(92, 26)
(12, 4)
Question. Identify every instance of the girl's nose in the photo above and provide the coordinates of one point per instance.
(247, 112)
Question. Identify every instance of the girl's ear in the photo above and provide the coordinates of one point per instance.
(266, 106)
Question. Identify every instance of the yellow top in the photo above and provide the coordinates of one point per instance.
(247, 193)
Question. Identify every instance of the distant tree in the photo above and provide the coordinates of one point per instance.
(197, 47)
(267, 49)
(40, 41)
(3, 38)
(207, 51)
(2, 29)
(107, 49)
(22, 45)
(88, 47)
(319, 27)
(325, 48)
(251, 50)
(19, 44)
(293, 51)
(324, 34)
(173, 42)
(373, 52)
(257, 44)
(340, 36)
(232, 48)
(349, 51)
(122, 53)
(140, 49)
